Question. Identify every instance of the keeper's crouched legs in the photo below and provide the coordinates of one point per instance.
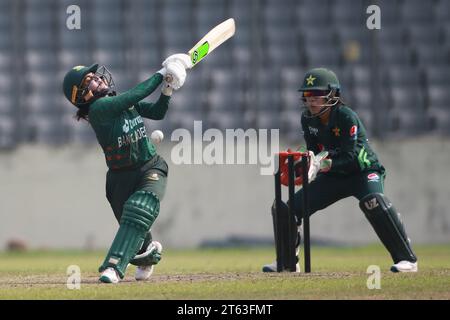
(139, 213)
(387, 224)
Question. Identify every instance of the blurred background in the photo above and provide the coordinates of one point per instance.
(52, 171)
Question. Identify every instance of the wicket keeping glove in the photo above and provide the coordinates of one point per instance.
(316, 162)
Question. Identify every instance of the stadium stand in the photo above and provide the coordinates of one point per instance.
(394, 77)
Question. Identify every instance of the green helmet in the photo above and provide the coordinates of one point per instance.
(320, 79)
(321, 83)
(73, 81)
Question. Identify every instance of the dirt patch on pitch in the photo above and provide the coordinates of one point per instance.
(38, 280)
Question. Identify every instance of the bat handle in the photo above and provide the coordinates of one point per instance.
(168, 78)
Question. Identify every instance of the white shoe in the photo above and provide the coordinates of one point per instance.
(273, 267)
(405, 266)
(109, 275)
(144, 272)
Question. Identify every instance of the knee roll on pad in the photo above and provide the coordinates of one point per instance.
(386, 222)
(140, 210)
(139, 213)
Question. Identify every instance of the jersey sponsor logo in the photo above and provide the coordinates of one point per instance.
(353, 131)
(371, 204)
(313, 131)
(373, 177)
(126, 126)
(133, 137)
(130, 124)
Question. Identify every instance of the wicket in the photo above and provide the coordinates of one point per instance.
(285, 228)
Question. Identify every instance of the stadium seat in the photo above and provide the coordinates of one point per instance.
(442, 11)
(407, 99)
(424, 35)
(7, 129)
(427, 56)
(438, 109)
(439, 96)
(321, 56)
(390, 13)
(313, 13)
(348, 12)
(438, 75)
(404, 124)
(391, 35)
(45, 129)
(361, 75)
(367, 119)
(224, 119)
(402, 76)
(362, 97)
(291, 78)
(208, 14)
(290, 125)
(268, 119)
(414, 12)
(396, 55)
(290, 100)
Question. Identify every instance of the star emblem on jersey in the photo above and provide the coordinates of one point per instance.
(337, 132)
(310, 80)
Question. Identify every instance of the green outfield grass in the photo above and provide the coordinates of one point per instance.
(338, 273)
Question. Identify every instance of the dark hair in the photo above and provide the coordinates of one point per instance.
(83, 110)
(83, 113)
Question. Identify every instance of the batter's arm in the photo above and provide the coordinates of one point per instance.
(112, 106)
(154, 111)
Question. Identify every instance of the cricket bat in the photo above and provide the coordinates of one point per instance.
(214, 38)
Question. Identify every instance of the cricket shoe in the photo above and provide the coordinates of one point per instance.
(273, 267)
(405, 266)
(109, 275)
(144, 272)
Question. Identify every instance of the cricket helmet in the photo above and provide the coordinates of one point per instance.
(321, 83)
(73, 87)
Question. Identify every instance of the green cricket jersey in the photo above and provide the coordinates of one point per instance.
(119, 127)
(344, 137)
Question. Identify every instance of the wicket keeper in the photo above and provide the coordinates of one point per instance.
(354, 170)
(137, 175)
